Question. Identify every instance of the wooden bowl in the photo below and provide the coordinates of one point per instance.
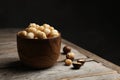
(39, 53)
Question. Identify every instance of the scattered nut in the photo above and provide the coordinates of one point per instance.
(70, 55)
(68, 62)
(66, 49)
(76, 65)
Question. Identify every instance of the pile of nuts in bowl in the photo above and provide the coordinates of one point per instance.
(70, 56)
(35, 31)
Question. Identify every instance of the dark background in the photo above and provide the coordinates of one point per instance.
(91, 25)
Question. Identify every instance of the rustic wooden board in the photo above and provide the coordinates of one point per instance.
(12, 69)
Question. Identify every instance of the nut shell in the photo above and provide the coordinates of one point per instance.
(66, 49)
(76, 65)
(81, 61)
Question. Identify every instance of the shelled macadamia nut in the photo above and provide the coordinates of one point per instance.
(37, 26)
(30, 35)
(22, 33)
(41, 28)
(51, 28)
(46, 25)
(70, 55)
(31, 29)
(34, 31)
(32, 25)
(41, 35)
(54, 31)
(47, 31)
(68, 62)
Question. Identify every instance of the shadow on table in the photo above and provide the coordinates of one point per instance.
(18, 66)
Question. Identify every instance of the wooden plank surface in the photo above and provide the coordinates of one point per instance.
(94, 56)
(11, 68)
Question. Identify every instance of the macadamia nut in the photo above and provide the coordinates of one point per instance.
(22, 33)
(41, 35)
(41, 28)
(68, 62)
(35, 31)
(31, 29)
(32, 25)
(66, 49)
(70, 55)
(46, 25)
(30, 35)
(37, 26)
(54, 33)
(47, 31)
(51, 28)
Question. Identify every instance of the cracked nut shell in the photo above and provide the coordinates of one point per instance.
(81, 61)
(76, 65)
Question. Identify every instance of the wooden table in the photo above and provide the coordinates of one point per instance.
(96, 68)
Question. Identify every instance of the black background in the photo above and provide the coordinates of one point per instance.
(93, 25)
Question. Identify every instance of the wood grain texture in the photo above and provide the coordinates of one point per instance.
(94, 56)
(96, 68)
(39, 53)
